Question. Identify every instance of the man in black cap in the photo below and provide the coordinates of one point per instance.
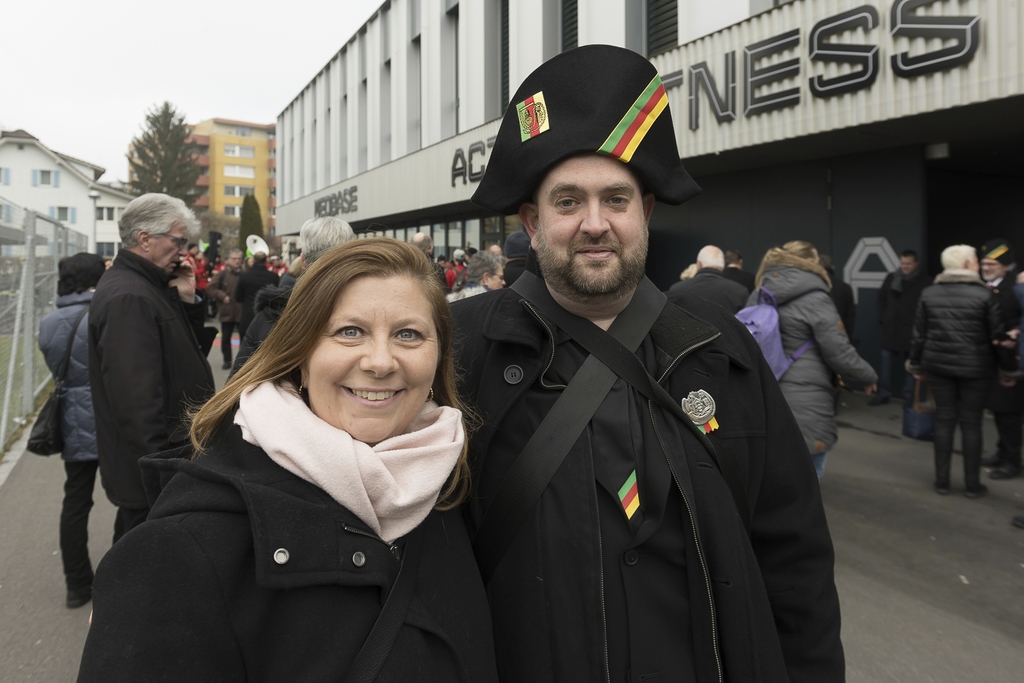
(644, 505)
(999, 270)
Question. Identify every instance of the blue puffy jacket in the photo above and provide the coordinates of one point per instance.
(77, 421)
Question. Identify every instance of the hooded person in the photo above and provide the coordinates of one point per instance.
(629, 527)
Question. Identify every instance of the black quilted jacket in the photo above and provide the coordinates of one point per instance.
(955, 323)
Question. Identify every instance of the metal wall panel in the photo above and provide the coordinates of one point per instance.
(996, 70)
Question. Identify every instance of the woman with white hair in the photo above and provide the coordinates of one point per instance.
(486, 271)
(955, 344)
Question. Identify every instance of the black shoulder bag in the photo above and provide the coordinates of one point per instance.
(45, 438)
(612, 356)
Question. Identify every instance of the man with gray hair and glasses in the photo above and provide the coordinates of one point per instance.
(147, 349)
(317, 235)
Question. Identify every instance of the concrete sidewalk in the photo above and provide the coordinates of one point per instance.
(40, 639)
(931, 587)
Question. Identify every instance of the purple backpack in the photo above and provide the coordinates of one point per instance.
(762, 319)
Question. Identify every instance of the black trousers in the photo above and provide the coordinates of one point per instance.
(74, 523)
(226, 330)
(958, 401)
(1010, 432)
(127, 519)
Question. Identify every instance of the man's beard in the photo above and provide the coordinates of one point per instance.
(592, 281)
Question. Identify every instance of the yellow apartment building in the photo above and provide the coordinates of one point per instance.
(237, 158)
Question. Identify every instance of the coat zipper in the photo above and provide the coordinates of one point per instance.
(551, 338)
(355, 530)
(700, 553)
(689, 510)
(604, 615)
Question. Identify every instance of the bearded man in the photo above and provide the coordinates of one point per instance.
(644, 506)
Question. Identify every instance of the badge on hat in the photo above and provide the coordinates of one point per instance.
(700, 408)
(533, 116)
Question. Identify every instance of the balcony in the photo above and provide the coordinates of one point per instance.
(198, 140)
(272, 143)
(271, 202)
(202, 159)
(271, 163)
(203, 201)
(272, 183)
(204, 181)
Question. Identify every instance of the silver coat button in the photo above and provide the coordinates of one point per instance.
(358, 559)
(281, 556)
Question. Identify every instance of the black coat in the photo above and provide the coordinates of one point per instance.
(249, 283)
(147, 367)
(1008, 399)
(712, 285)
(771, 599)
(741, 276)
(269, 305)
(896, 309)
(957, 318)
(195, 594)
(842, 297)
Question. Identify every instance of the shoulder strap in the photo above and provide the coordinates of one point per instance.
(626, 365)
(67, 352)
(378, 644)
(544, 453)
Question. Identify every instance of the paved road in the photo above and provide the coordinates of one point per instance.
(932, 587)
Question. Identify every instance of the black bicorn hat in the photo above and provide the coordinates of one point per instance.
(595, 98)
(997, 249)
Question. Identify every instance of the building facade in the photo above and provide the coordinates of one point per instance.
(62, 187)
(864, 126)
(237, 159)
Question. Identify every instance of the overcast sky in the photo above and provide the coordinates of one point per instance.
(80, 75)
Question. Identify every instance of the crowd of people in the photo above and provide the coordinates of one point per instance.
(522, 463)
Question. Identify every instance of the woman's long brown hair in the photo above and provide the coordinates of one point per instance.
(304, 321)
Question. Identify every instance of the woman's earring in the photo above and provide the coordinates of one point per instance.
(431, 397)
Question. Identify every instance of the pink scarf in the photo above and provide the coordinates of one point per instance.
(391, 486)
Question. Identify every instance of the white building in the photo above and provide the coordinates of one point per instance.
(866, 127)
(35, 177)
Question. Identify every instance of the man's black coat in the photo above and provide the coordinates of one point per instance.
(741, 276)
(146, 369)
(198, 592)
(897, 307)
(250, 282)
(711, 284)
(763, 608)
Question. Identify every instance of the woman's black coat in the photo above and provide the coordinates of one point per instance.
(957, 318)
(198, 593)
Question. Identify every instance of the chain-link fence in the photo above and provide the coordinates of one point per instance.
(30, 247)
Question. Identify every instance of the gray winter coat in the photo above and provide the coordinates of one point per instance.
(806, 311)
(77, 421)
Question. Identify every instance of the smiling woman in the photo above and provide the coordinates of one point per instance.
(316, 501)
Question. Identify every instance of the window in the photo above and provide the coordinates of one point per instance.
(243, 151)
(45, 178)
(243, 131)
(106, 248)
(233, 211)
(662, 26)
(99, 213)
(238, 190)
(239, 171)
(110, 213)
(5, 176)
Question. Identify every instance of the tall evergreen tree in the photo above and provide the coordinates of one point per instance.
(252, 221)
(162, 161)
